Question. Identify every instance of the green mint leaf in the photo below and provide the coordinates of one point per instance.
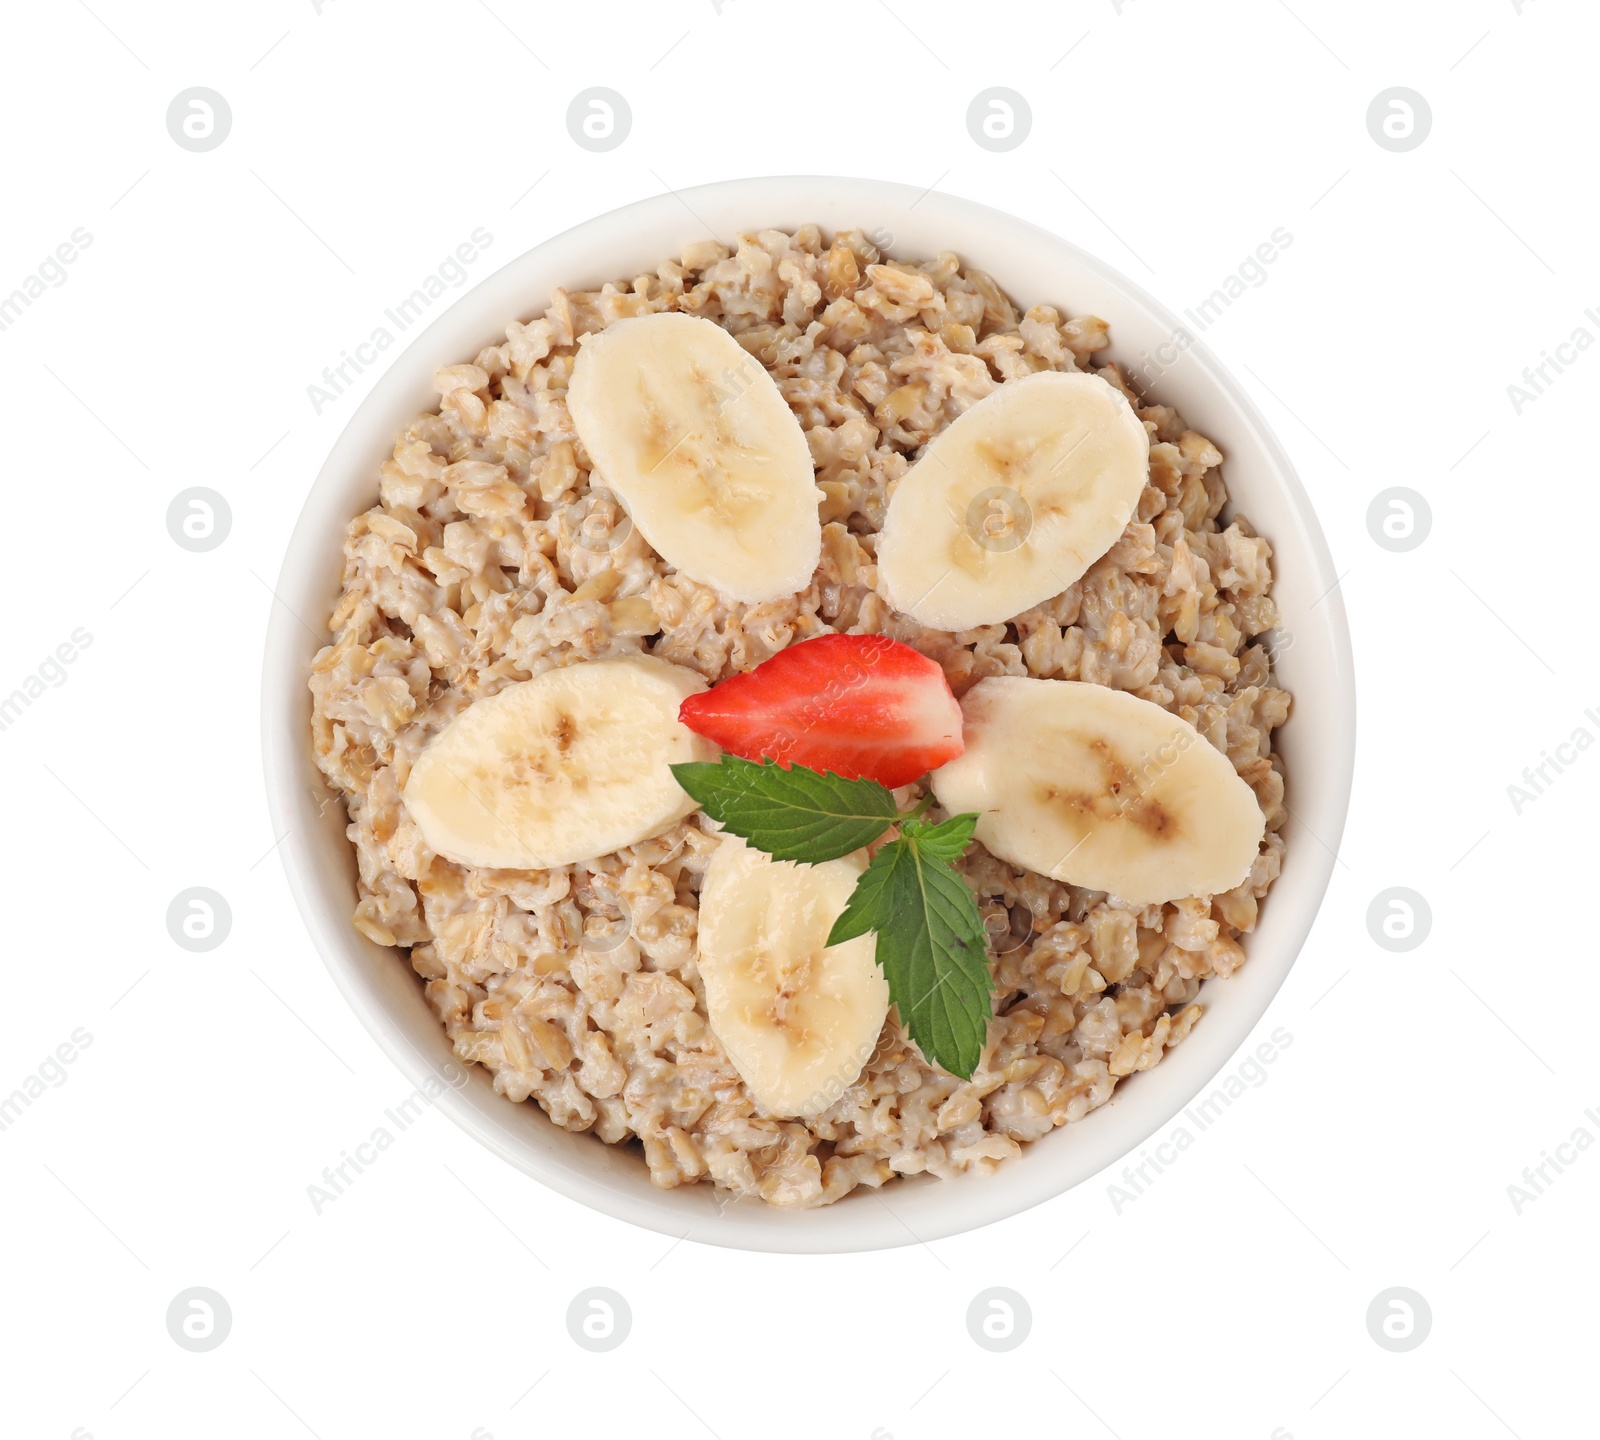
(931, 942)
(791, 813)
(871, 904)
(948, 840)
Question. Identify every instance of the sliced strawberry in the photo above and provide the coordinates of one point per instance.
(862, 706)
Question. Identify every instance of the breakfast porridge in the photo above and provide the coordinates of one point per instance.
(1025, 567)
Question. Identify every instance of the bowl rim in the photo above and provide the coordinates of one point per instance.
(285, 754)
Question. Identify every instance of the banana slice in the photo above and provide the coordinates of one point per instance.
(699, 445)
(567, 766)
(1101, 789)
(1013, 501)
(798, 1020)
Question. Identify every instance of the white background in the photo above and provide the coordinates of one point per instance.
(367, 141)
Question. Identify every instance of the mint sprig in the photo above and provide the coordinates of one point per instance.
(931, 940)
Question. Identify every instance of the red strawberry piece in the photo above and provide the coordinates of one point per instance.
(861, 706)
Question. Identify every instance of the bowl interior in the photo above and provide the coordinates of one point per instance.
(1034, 267)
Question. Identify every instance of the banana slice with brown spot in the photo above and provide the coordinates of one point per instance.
(696, 440)
(798, 1018)
(1099, 788)
(568, 766)
(1013, 501)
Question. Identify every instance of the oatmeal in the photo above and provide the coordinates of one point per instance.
(491, 558)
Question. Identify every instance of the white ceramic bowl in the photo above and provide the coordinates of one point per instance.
(1034, 267)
